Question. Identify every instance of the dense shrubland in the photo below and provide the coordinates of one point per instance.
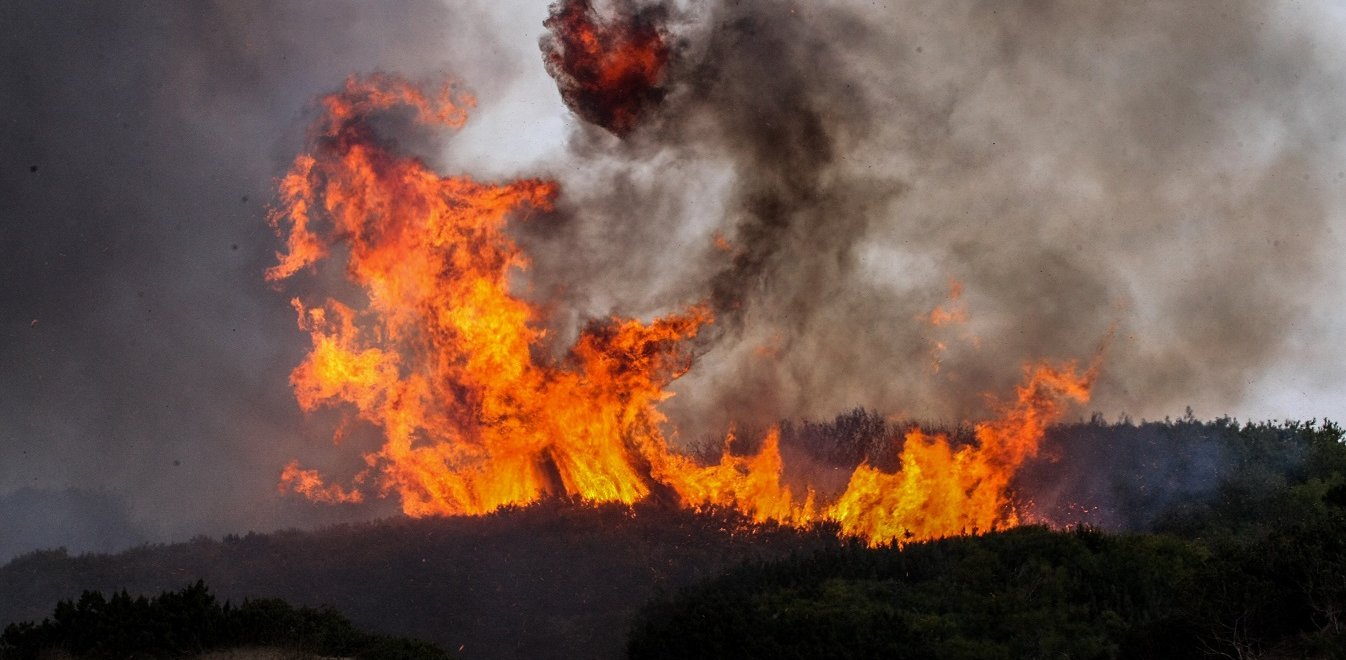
(1243, 555)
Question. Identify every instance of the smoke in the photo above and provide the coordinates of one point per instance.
(77, 520)
(817, 173)
(608, 73)
(1129, 477)
(142, 354)
(821, 173)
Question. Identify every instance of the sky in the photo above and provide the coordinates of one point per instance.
(1172, 174)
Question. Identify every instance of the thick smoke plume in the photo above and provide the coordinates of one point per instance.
(608, 70)
(823, 172)
(818, 171)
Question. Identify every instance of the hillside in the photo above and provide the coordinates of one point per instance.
(553, 580)
(1028, 592)
(560, 579)
(1241, 554)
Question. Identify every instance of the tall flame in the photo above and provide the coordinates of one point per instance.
(447, 362)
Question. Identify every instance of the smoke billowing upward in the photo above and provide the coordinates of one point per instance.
(608, 71)
(143, 360)
(817, 173)
(1165, 170)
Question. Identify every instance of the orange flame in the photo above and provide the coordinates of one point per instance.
(441, 356)
(941, 490)
(607, 70)
(955, 311)
(310, 484)
(951, 314)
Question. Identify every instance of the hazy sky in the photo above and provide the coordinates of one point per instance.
(1176, 172)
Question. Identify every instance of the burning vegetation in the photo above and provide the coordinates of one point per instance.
(755, 209)
(450, 365)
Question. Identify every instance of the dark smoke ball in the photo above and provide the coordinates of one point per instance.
(610, 69)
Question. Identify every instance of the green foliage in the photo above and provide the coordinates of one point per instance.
(1252, 563)
(191, 621)
(1185, 477)
(1025, 593)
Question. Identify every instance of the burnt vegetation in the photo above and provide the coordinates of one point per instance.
(1181, 538)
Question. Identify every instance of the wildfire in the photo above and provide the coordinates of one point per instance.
(607, 69)
(955, 311)
(441, 357)
(941, 490)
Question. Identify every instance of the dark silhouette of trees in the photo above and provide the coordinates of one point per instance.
(557, 579)
(191, 621)
(1207, 539)
(1250, 562)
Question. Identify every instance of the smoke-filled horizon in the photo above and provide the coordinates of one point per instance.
(821, 175)
(1169, 176)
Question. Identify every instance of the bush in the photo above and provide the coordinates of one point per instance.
(191, 621)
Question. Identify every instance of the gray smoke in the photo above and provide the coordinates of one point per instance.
(142, 355)
(77, 520)
(1170, 170)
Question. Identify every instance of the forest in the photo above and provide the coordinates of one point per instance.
(1174, 538)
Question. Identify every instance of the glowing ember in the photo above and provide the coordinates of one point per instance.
(955, 311)
(608, 69)
(441, 357)
(948, 323)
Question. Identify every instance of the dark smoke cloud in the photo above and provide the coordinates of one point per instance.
(77, 520)
(141, 353)
(608, 71)
(1171, 168)
(1172, 171)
